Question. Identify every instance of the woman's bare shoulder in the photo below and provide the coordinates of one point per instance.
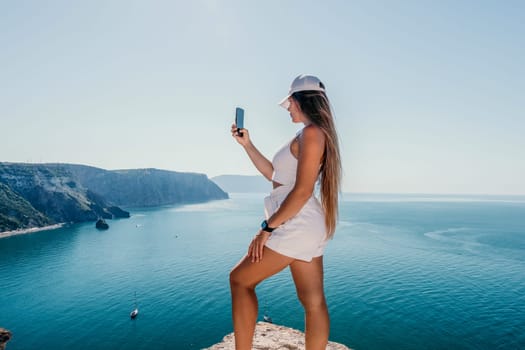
(312, 134)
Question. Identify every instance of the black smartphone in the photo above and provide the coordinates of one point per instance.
(239, 119)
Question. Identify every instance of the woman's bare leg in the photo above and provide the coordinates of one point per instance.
(308, 278)
(243, 279)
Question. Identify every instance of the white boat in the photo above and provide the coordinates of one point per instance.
(266, 317)
(135, 312)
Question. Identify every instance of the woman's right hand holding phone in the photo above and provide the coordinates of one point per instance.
(261, 162)
(243, 140)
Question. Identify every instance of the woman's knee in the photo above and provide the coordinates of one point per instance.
(312, 301)
(237, 280)
(234, 279)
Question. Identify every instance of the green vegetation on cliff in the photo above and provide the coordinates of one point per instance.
(16, 212)
(33, 195)
(53, 191)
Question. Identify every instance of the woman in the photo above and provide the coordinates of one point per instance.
(297, 225)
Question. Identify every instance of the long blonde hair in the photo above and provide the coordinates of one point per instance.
(316, 107)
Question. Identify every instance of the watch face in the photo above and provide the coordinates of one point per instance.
(265, 227)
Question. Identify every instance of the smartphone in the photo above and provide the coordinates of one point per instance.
(239, 119)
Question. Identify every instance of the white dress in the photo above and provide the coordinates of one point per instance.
(303, 236)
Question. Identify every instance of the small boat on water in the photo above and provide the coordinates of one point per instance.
(266, 317)
(135, 312)
(102, 224)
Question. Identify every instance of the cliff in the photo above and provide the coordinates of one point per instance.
(54, 194)
(147, 187)
(16, 212)
(34, 195)
(269, 336)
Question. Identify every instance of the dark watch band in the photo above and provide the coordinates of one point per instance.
(265, 227)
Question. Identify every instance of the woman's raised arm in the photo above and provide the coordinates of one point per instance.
(262, 164)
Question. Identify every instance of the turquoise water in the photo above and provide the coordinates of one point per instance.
(403, 272)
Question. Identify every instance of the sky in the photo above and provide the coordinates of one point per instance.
(428, 96)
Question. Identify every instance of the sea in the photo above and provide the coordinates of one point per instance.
(402, 272)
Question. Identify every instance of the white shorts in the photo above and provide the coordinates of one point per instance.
(303, 236)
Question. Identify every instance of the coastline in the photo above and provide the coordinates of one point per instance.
(24, 231)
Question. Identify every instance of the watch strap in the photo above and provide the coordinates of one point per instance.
(265, 227)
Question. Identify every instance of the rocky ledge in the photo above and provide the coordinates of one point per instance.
(269, 336)
(5, 335)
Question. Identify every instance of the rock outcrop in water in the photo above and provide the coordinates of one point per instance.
(101, 224)
(269, 336)
(35, 195)
(5, 335)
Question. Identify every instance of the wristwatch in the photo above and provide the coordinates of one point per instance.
(265, 227)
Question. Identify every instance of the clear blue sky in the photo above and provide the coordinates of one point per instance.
(429, 96)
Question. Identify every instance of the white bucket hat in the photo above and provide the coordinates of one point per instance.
(303, 82)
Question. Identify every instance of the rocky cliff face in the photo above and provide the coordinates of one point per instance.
(269, 336)
(16, 211)
(147, 187)
(34, 195)
(54, 193)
